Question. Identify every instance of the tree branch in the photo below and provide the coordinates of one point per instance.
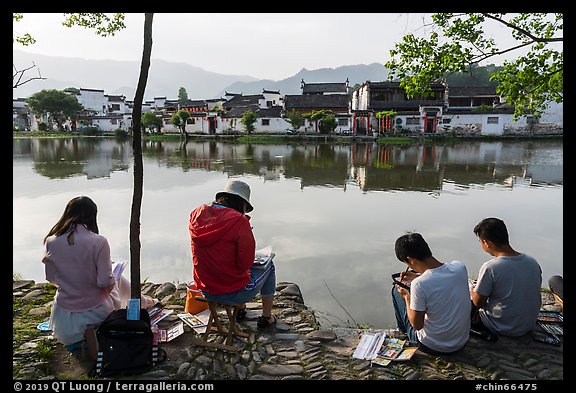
(19, 74)
(525, 32)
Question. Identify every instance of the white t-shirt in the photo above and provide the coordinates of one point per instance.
(512, 285)
(443, 294)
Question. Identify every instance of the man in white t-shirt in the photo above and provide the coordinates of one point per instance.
(506, 295)
(435, 312)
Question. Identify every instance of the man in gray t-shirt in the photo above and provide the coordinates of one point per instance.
(506, 296)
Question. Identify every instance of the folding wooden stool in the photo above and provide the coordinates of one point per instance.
(214, 325)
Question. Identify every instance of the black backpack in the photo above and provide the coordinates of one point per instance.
(125, 346)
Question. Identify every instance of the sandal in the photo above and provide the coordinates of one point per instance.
(264, 322)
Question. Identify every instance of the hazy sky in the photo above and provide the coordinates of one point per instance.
(263, 45)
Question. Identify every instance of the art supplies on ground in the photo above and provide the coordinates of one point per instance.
(394, 349)
(381, 349)
(550, 317)
(369, 344)
(191, 320)
(170, 332)
(158, 313)
(551, 328)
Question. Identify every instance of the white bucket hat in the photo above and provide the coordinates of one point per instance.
(237, 187)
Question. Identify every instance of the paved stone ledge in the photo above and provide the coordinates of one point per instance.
(297, 349)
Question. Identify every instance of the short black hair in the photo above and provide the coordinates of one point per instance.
(412, 244)
(494, 230)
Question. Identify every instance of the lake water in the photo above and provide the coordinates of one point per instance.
(331, 212)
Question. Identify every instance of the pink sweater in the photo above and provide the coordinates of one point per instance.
(82, 271)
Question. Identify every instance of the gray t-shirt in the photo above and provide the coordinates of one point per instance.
(512, 285)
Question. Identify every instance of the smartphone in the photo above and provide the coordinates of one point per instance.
(396, 279)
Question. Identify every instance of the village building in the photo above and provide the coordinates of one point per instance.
(374, 109)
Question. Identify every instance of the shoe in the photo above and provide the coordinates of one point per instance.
(484, 334)
(241, 315)
(264, 322)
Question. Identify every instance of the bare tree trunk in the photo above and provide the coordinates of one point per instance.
(138, 166)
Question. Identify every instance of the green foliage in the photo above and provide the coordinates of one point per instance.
(89, 131)
(151, 122)
(42, 126)
(179, 119)
(295, 120)
(324, 119)
(475, 75)
(328, 124)
(528, 83)
(103, 24)
(385, 114)
(23, 39)
(120, 133)
(248, 120)
(60, 106)
(182, 94)
(483, 109)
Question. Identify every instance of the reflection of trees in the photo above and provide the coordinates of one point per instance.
(371, 166)
(58, 158)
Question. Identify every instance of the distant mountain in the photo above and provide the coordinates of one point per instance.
(359, 73)
(166, 78)
(121, 77)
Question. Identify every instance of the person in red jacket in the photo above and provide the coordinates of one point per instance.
(223, 249)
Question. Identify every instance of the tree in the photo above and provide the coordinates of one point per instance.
(295, 120)
(529, 83)
(106, 26)
(179, 119)
(56, 104)
(248, 120)
(182, 94)
(151, 122)
(328, 123)
(317, 117)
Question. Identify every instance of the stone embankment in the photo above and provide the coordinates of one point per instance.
(295, 349)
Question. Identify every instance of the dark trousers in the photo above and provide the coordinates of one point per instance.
(404, 325)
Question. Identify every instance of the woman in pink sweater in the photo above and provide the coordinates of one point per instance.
(77, 261)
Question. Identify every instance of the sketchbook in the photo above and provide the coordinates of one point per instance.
(263, 257)
(118, 269)
(369, 345)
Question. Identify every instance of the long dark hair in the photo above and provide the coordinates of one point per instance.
(79, 210)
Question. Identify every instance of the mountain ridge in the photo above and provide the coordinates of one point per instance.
(165, 78)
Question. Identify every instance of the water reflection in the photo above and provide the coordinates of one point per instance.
(331, 211)
(371, 166)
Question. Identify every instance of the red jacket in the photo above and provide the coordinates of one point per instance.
(223, 248)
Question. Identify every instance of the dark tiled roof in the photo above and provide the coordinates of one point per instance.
(388, 105)
(115, 98)
(374, 86)
(191, 103)
(243, 101)
(274, 111)
(316, 101)
(472, 91)
(316, 88)
(98, 90)
(238, 111)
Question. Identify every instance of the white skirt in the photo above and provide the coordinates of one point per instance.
(68, 326)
